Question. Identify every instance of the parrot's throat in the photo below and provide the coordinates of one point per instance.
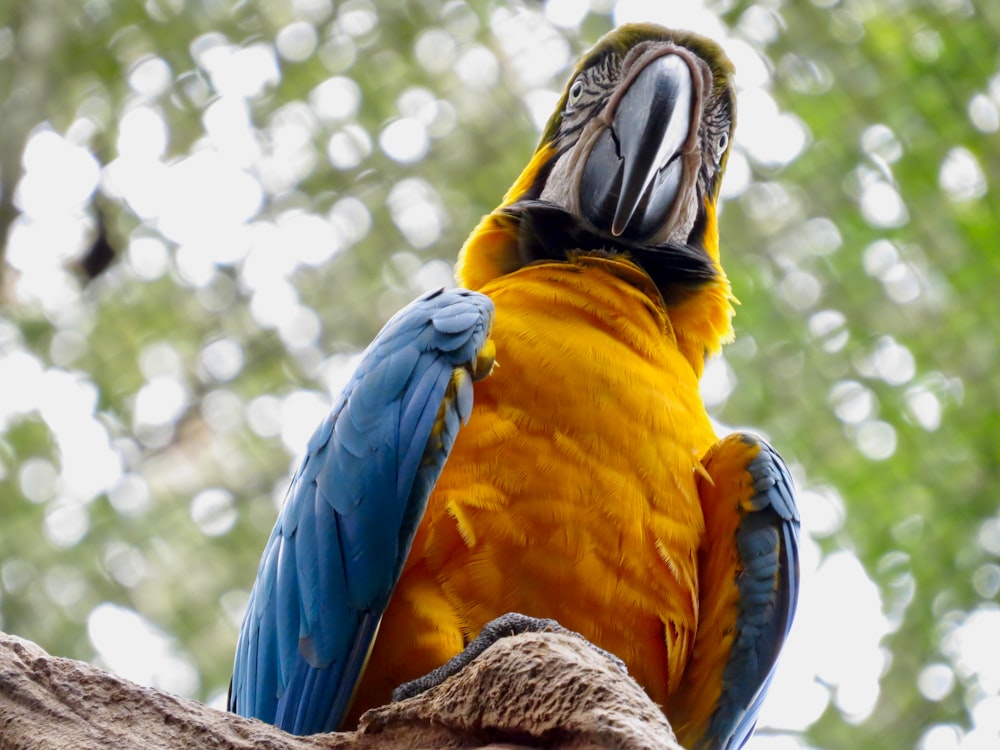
(546, 231)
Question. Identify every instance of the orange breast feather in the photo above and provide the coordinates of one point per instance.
(571, 493)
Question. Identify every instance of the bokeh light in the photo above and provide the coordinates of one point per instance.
(277, 181)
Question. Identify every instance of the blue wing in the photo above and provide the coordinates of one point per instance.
(350, 514)
(767, 544)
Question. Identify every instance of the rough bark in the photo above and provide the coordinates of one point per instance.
(534, 690)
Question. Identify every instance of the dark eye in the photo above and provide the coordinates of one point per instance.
(723, 144)
(575, 93)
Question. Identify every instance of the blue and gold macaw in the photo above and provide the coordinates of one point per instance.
(580, 479)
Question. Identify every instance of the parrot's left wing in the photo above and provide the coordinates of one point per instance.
(749, 579)
(351, 511)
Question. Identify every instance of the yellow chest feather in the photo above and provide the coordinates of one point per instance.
(570, 494)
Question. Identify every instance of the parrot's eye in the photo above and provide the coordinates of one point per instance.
(575, 93)
(723, 144)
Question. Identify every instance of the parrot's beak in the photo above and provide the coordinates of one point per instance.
(634, 172)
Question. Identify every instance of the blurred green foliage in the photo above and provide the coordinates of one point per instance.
(865, 262)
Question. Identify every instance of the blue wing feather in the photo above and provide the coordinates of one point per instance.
(353, 506)
(768, 544)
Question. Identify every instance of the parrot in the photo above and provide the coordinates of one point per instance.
(535, 440)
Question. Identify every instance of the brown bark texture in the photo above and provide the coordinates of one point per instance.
(533, 690)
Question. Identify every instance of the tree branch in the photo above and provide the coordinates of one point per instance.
(533, 690)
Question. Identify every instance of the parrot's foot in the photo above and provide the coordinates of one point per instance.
(512, 623)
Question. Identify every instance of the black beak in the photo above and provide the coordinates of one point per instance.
(634, 171)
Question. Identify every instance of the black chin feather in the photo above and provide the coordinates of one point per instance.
(547, 231)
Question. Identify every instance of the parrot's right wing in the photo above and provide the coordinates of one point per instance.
(345, 529)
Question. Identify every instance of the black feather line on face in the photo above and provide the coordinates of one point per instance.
(547, 231)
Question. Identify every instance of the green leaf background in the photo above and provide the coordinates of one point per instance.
(150, 417)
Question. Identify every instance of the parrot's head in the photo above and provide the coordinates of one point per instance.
(630, 163)
(638, 143)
